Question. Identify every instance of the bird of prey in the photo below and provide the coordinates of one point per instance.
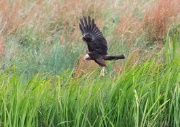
(96, 43)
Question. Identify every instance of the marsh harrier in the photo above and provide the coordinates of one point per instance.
(97, 44)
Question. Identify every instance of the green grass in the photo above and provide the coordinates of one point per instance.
(31, 60)
(146, 94)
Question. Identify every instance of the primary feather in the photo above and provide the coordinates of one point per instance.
(93, 36)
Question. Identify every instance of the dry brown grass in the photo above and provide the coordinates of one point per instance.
(128, 29)
(13, 16)
(60, 19)
(49, 19)
(2, 48)
(118, 67)
(40, 14)
(154, 24)
(158, 18)
(84, 66)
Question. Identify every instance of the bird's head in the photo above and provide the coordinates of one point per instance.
(87, 37)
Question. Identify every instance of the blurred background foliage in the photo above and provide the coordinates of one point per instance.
(41, 36)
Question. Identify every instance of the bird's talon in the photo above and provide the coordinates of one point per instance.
(101, 74)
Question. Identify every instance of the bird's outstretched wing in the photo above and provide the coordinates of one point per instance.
(93, 36)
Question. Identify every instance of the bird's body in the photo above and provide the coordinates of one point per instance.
(96, 43)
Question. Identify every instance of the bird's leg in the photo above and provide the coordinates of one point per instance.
(102, 71)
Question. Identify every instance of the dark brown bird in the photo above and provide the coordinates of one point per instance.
(97, 44)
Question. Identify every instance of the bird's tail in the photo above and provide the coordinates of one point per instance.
(114, 57)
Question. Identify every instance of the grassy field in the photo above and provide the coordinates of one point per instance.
(45, 82)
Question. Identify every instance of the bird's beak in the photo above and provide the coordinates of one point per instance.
(86, 57)
(83, 36)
